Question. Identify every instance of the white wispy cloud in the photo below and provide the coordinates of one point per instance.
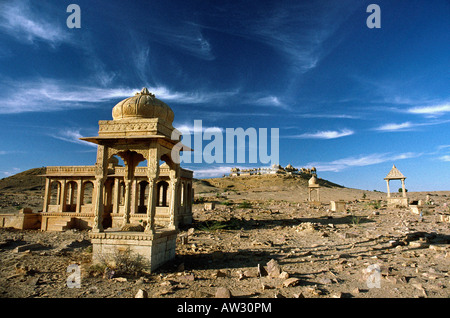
(186, 37)
(196, 97)
(395, 127)
(337, 116)
(50, 95)
(445, 158)
(194, 129)
(211, 172)
(324, 134)
(439, 109)
(141, 60)
(408, 126)
(72, 135)
(42, 95)
(18, 20)
(10, 172)
(280, 30)
(271, 100)
(362, 160)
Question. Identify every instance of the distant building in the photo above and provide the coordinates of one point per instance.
(274, 169)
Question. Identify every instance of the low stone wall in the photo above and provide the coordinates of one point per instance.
(155, 250)
(25, 219)
(398, 202)
(338, 206)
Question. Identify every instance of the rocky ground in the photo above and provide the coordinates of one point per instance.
(255, 247)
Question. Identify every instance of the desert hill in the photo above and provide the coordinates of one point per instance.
(25, 189)
(278, 188)
(29, 180)
(267, 182)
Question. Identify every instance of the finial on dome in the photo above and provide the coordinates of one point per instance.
(145, 91)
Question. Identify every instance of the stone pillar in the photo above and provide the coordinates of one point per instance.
(153, 175)
(403, 188)
(98, 205)
(101, 167)
(388, 190)
(151, 205)
(116, 198)
(46, 195)
(58, 194)
(127, 203)
(79, 196)
(174, 203)
(191, 198)
(134, 197)
(62, 198)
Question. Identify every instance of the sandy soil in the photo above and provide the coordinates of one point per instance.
(366, 251)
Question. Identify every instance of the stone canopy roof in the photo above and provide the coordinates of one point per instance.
(394, 174)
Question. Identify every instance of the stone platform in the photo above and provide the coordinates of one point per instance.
(397, 201)
(155, 249)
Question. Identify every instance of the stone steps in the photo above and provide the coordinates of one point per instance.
(60, 225)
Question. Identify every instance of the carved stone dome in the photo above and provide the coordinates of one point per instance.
(312, 181)
(143, 105)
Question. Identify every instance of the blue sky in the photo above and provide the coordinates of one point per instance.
(349, 100)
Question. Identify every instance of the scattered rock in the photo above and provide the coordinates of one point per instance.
(290, 282)
(314, 290)
(219, 273)
(223, 292)
(325, 281)
(348, 235)
(284, 275)
(307, 226)
(23, 269)
(273, 268)
(188, 277)
(28, 247)
(252, 273)
(183, 239)
(418, 244)
(166, 290)
(141, 294)
(33, 281)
